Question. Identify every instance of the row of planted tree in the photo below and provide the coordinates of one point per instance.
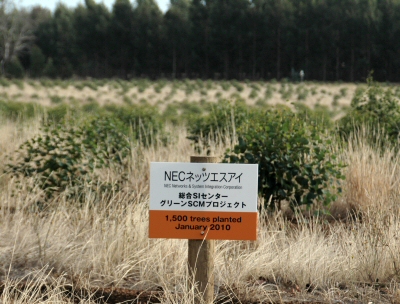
(327, 39)
(296, 150)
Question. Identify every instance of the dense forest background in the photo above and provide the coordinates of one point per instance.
(330, 40)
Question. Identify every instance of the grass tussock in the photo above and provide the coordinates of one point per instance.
(100, 241)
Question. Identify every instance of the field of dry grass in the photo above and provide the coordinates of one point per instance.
(77, 251)
(48, 92)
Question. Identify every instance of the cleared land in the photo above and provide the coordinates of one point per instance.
(75, 248)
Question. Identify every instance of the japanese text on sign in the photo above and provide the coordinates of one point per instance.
(200, 187)
(203, 177)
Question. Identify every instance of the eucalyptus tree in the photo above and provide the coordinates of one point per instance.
(16, 32)
(122, 27)
(148, 37)
(280, 21)
(371, 18)
(260, 37)
(388, 41)
(177, 28)
(92, 22)
(199, 37)
(229, 36)
(56, 37)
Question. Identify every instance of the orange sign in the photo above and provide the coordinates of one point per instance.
(203, 201)
(203, 225)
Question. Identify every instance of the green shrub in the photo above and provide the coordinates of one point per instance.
(189, 90)
(180, 113)
(4, 82)
(295, 163)
(142, 84)
(170, 94)
(397, 92)
(19, 83)
(375, 107)
(219, 122)
(91, 108)
(37, 61)
(55, 99)
(64, 157)
(225, 85)
(49, 69)
(343, 92)
(261, 102)
(127, 100)
(59, 113)
(144, 120)
(269, 92)
(171, 114)
(320, 116)
(253, 94)
(239, 87)
(18, 110)
(335, 101)
(313, 91)
(209, 84)
(286, 90)
(14, 69)
(159, 85)
(255, 86)
(302, 92)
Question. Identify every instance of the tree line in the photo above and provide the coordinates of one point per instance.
(330, 40)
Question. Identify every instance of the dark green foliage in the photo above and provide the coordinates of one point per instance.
(76, 141)
(171, 114)
(91, 108)
(295, 163)
(107, 139)
(14, 69)
(49, 69)
(235, 39)
(4, 82)
(320, 116)
(61, 113)
(219, 122)
(374, 107)
(55, 99)
(184, 112)
(143, 120)
(64, 157)
(37, 62)
(17, 110)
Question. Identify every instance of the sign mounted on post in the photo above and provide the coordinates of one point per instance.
(203, 201)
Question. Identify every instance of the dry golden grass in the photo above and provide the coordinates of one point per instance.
(106, 244)
(165, 92)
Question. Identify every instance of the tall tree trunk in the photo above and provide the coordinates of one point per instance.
(253, 72)
(368, 54)
(337, 64)
(307, 53)
(207, 63)
(324, 63)
(240, 57)
(226, 64)
(278, 55)
(2, 68)
(174, 61)
(352, 60)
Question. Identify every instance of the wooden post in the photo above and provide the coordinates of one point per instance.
(201, 257)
